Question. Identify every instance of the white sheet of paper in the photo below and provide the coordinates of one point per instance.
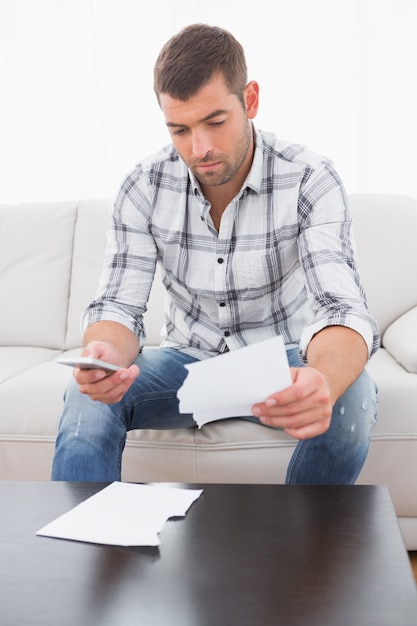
(123, 514)
(229, 384)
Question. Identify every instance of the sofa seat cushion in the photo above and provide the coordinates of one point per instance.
(222, 451)
(15, 360)
(35, 378)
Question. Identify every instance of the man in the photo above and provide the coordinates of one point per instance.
(253, 238)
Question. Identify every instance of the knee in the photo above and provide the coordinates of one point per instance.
(357, 410)
(72, 390)
(77, 409)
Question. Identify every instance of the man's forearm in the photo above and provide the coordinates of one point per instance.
(122, 340)
(340, 354)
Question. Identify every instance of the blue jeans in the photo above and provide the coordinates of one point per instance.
(92, 435)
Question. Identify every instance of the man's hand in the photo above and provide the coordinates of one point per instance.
(336, 356)
(303, 410)
(100, 385)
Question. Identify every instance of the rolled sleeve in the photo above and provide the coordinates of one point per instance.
(335, 293)
(129, 263)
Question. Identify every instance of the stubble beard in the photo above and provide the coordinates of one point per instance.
(230, 164)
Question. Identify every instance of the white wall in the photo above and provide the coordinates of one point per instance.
(77, 109)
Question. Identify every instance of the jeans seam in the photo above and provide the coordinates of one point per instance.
(295, 460)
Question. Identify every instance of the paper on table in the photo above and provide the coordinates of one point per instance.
(229, 384)
(123, 514)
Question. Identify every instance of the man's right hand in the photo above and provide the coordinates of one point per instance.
(100, 385)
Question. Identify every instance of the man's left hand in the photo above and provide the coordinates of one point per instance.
(304, 409)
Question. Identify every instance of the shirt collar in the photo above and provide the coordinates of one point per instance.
(254, 178)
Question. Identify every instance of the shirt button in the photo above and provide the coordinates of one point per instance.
(222, 304)
(227, 333)
(220, 260)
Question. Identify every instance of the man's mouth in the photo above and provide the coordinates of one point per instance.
(206, 167)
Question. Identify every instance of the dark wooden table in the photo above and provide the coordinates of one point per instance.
(254, 555)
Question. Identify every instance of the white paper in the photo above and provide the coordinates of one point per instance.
(229, 384)
(123, 514)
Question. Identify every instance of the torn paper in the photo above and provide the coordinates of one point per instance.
(229, 384)
(124, 514)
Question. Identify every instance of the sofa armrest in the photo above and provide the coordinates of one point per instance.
(400, 340)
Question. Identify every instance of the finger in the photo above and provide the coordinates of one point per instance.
(310, 430)
(112, 387)
(273, 407)
(302, 425)
(108, 396)
(86, 377)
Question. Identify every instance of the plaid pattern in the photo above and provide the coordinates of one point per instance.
(282, 263)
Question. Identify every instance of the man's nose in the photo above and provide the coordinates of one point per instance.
(201, 145)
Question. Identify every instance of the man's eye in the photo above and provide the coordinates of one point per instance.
(180, 131)
(220, 123)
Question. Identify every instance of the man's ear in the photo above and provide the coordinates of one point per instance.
(251, 95)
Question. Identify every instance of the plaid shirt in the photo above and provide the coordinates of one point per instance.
(282, 262)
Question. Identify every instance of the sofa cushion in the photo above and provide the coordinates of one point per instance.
(15, 360)
(21, 416)
(89, 244)
(36, 254)
(385, 228)
(400, 339)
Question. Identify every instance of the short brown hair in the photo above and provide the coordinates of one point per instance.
(189, 60)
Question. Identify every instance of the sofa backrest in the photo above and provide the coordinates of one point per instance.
(87, 258)
(36, 243)
(385, 232)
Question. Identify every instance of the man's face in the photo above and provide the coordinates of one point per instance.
(211, 132)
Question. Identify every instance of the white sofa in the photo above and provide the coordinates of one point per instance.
(50, 258)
